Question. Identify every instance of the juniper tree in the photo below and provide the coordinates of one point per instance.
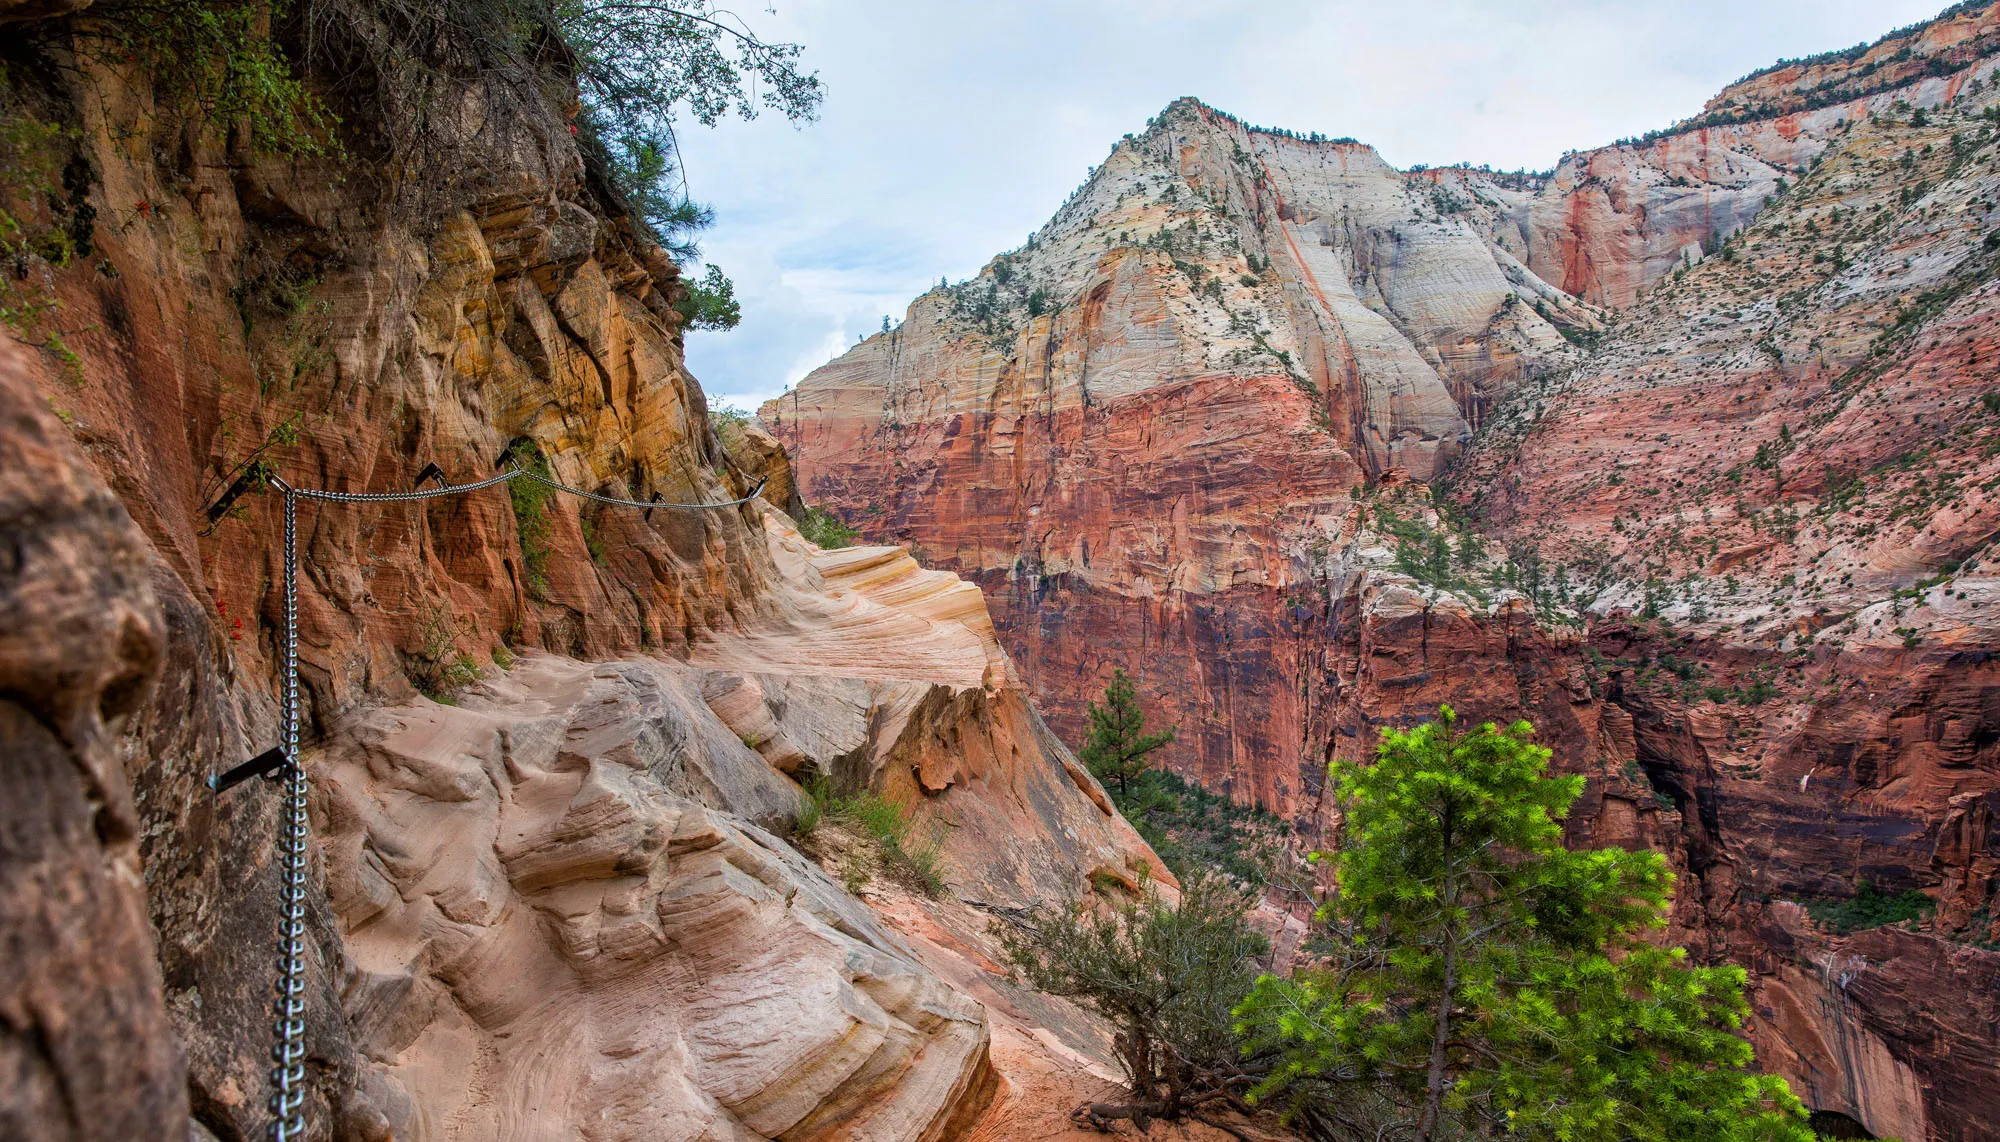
(1166, 976)
(1483, 978)
(1118, 744)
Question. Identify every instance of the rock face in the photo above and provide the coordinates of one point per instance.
(1134, 431)
(1729, 553)
(84, 1037)
(1786, 455)
(562, 906)
(560, 918)
(550, 933)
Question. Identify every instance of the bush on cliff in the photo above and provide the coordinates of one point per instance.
(1166, 976)
(1485, 980)
(826, 529)
(912, 855)
(1870, 907)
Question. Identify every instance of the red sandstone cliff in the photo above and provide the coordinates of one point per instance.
(1749, 527)
(550, 895)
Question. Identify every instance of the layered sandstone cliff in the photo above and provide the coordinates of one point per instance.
(1733, 537)
(1785, 453)
(1133, 431)
(554, 746)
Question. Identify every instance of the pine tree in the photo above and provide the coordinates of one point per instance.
(1484, 979)
(1118, 744)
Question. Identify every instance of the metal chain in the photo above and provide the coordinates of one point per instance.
(288, 1052)
(288, 1096)
(541, 479)
(461, 489)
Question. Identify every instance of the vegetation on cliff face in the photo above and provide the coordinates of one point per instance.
(888, 838)
(1485, 979)
(341, 78)
(1476, 977)
(1167, 976)
(826, 529)
(1195, 832)
(1870, 907)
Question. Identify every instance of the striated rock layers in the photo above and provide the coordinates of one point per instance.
(561, 921)
(1133, 431)
(1771, 494)
(1725, 543)
(560, 907)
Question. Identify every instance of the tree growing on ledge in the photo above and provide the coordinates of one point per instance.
(1118, 744)
(1483, 980)
(1166, 976)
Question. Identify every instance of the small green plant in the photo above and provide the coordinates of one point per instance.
(917, 861)
(530, 500)
(437, 668)
(825, 529)
(894, 841)
(1869, 907)
(46, 224)
(256, 466)
(217, 62)
(812, 807)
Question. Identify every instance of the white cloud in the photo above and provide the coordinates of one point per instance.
(952, 130)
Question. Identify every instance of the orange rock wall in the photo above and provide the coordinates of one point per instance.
(1759, 506)
(508, 895)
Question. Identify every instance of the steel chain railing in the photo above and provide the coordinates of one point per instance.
(288, 1096)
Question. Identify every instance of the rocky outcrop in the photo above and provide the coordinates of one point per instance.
(554, 745)
(84, 1036)
(1734, 555)
(551, 933)
(564, 910)
(1768, 495)
(1133, 431)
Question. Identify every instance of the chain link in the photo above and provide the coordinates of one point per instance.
(288, 1072)
(288, 1052)
(461, 489)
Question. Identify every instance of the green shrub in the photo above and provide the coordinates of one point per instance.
(437, 668)
(826, 529)
(1869, 907)
(913, 856)
(812, 810)
(46, 224)
(215, 62)
(530, 500)
(1167, 977)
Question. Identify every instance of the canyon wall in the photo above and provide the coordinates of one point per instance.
(555, 747)
(1708, 417)
(1136, 432)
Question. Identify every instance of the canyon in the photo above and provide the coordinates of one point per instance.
(1684, 451)
(555, 747)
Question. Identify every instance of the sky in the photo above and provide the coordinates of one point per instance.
(951, 129)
